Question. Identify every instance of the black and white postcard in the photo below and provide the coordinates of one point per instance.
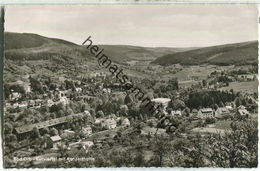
(102, 85)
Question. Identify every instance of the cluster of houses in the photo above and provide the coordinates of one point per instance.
(202, 113)
(108, 123)
(58, 97)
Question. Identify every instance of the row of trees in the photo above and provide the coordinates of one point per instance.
(236, 149)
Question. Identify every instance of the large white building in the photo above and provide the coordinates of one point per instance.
(206, 113)
(161, 101)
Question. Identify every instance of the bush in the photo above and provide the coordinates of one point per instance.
(210, 120)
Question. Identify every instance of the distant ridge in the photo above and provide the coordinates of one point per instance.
(28, 40)
(228, 54)
(29, 46)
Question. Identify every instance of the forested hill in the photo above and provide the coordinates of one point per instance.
(28, 46)
(123, 53)
(29, 40)
(228, 54)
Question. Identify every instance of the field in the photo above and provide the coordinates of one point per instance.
(222, 125)
(251, 86)
(197, 72)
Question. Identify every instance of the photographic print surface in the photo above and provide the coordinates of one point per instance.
(131, 86)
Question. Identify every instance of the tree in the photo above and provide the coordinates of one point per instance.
(237, 148)
(10, 138)
(173, 84)
(69, 111)
(45, 131)
(210, 120)
(128, 99)
(123, 110)
(8, 128)
(92, 112)
(100, 114)
(221, 104)
(53, 115)
(56, 107)
(139, 160)
(178, 104)
(36, 85)
(187, 111)
(204, 83)
(238, 101)
(54, 132)
(35, 133)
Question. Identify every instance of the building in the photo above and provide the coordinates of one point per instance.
(25, 85)
(87, 144)
(221, 111)
(56, 141)
(14, 96)
(153, 131)
(64, 100)
(49, 102)
(230, 108)
(125, 122)
(87, 131)
(67, 134)
(241, 107)
(25, 130)
(205, 113)
(35, 103)
(21, 105)
(242, 110)
(78, 89)
(84, 144)
(247, 77)
(176, 113)
(194, 112)
(161, 101)
(38, 103)
(108, 123)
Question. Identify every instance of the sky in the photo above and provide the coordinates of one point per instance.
(141, 25)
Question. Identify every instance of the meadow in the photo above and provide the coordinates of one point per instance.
(249, 86)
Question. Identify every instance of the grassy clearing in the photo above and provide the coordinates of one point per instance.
(198, 72)
(222, 124)
(250, 86)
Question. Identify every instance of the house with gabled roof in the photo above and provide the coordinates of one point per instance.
(206, 113)
(221, 111)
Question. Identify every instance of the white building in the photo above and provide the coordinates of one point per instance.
(176, 113)
(221, 111)
(56, 141)
(153, 131)
(87, 131)
(161, 101)
(125, 122)
(108, 123)
(15, 96)
(206, 113)
(68, 134)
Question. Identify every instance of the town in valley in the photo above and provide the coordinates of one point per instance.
(61, 105)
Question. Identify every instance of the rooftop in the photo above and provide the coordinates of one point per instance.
(206, 110)
(52, 122)
(55, 138)
(161, 100)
